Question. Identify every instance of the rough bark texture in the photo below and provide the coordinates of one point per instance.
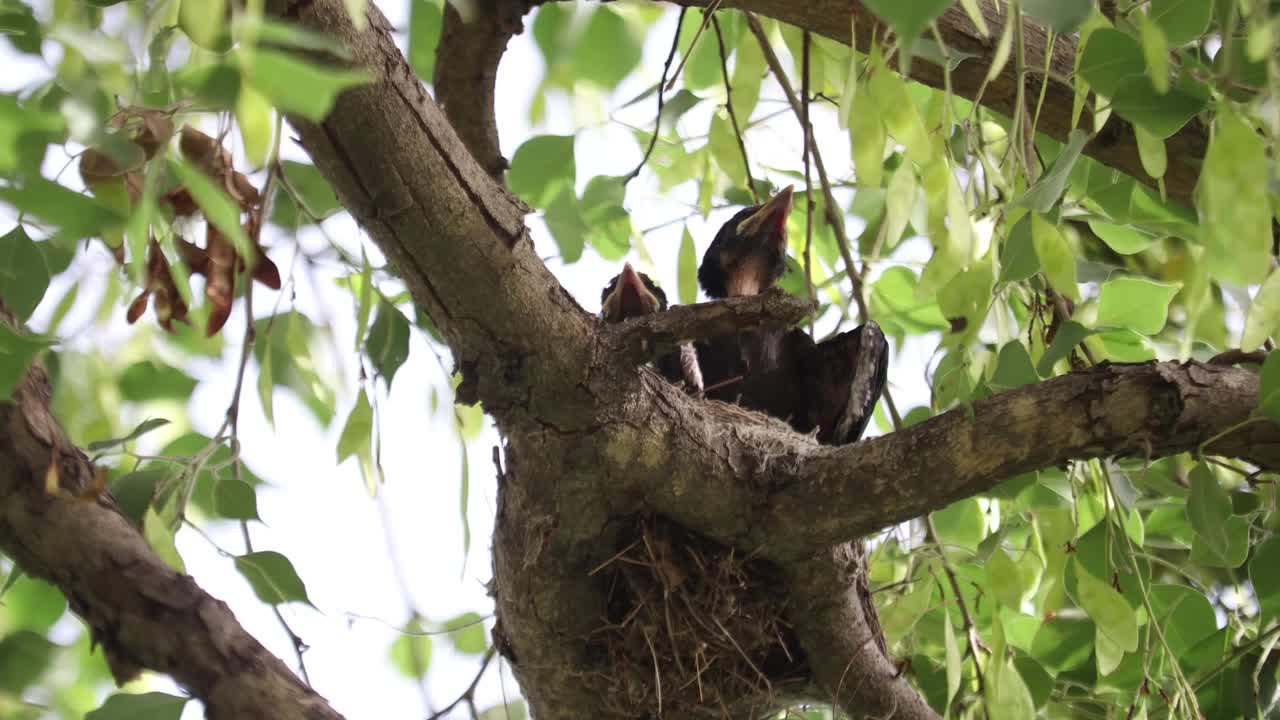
(142, 612)
(592, 443)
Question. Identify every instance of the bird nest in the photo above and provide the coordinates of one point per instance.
(694, 628)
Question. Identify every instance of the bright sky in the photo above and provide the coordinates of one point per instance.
(319, 514)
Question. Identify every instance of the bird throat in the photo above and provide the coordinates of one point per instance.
(748, 278)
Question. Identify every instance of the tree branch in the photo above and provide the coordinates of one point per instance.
(142, 612)
(651, 336)
(467, 69)
(804, 496)
(1116, 145)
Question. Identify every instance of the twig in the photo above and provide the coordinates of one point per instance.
(806, 128)
(831, 212)
(232, 420)
(1232, 357)
(657, 122)
(707, 15)
(468, 695)
(728, 104)
(970, 630)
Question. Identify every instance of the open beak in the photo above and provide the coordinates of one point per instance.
(634, 298)
(771, 219)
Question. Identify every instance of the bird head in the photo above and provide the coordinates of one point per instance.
(630, 294)
(749, 253)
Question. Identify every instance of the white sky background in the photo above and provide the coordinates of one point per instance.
(319, 514)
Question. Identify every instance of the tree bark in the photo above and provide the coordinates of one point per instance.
(142, 612)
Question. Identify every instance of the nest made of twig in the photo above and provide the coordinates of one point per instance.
(694, 628)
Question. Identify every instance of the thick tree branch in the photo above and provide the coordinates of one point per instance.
(142, 612)
(648, 337)
(467, 70)
(805, 496)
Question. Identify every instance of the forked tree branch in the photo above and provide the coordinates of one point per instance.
(142, 612)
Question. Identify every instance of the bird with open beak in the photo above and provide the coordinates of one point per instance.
(630, 294)
(832, 386)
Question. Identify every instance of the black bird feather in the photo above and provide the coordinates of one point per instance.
(832, 386)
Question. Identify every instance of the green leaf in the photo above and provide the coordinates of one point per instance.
(749, 70)
(160, 534)
(908, 19)
(31, 604)
(954, 660)
(1018, 259)
(1221, 538)
(1063, 643)
(568, 228)
(19, 25)
(272, 577)
(541, 168)
(960, 525)
(1010, 699)
(1162, 114)
(24, 273)
(1184, 615)
(1232, 196)
(1003, 579)
(235, 499)
(1123, 239)
(898, 112)
(1155, 48)
(687, 269)
(426, 17)
(867, 137)
(1109, 58)
(899, 199)
(1048, 189)
(313, 190)
(1263, 318)
(894, 304)
(514, 710)
(254, 118)
(1061, 16)
(148, 380)
(355, 438)
(1069, 335)
(1108, 609)
(1134, 303)
(1013, 368)
(16, 354)
(205, 23)
(1269, 387)
(388, 344)
(266, 389)
(1057, 262)
(76, 216)
(1181, 20)
(143, 428)
(1264, 573)
(1151, 151)
(607, 49)
(143, 706)
(467, 633)
(899, 617)
(217, 205)
(24, 656)
(724, 149)
(411, 651)
(298, 86)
